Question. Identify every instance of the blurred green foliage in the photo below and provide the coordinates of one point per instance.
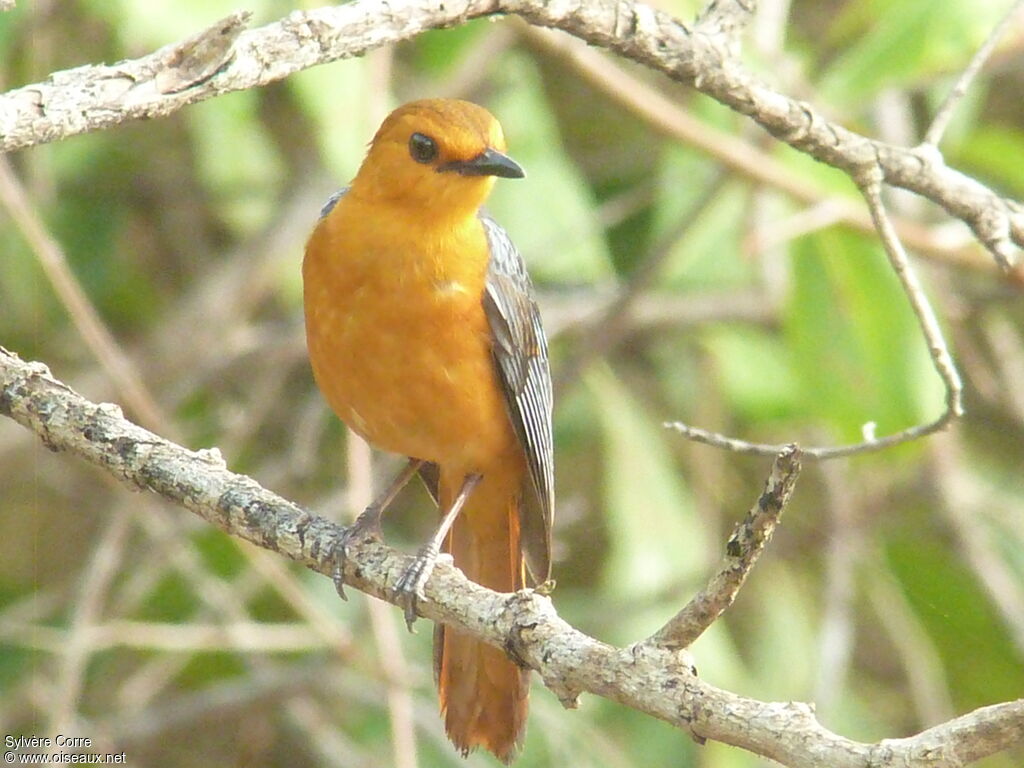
(887, 596)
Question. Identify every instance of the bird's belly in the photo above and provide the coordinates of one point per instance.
(411, 372)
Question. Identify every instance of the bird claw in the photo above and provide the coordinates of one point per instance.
(408, 590)
(366, 526)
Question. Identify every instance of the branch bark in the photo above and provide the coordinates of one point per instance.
(653, 677)
(742, 552)
(658, 681)
(95, 97)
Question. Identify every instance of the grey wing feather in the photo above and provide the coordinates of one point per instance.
(521, 355)
(332, 201)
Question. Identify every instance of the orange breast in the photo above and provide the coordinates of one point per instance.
(397, 336)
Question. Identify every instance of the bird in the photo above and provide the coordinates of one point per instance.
(424, 337)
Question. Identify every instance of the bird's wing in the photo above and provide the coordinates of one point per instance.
(332, 201)
(520, 353)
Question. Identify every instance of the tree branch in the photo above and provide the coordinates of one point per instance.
(657, 681)
(740, 155)
(742, 552)
(654, 676)
(94, 97)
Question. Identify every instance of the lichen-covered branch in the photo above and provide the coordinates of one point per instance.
(701, 55)
(743, 550)
(658, 681)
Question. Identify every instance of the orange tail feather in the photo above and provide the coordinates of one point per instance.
(483, 694)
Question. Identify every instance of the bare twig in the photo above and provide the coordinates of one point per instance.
(77, 647)
(843, 549)
(945, 113)
(937, 350)
(83, 314)
(742, 551)
(382, 621)
(645, 677)
(818, 453)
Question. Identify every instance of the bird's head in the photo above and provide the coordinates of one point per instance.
(439, 156)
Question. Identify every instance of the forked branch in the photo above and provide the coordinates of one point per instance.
(651, 679)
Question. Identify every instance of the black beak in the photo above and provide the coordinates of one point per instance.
(490, 162)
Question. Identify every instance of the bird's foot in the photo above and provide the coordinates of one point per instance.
(408, 589)
(366, 527)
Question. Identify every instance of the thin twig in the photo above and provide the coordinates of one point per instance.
(817, 453)
(844, 544)
(742, 551)
(938, 351)
(237, 637)
(382, 621)
(97, 575)
(945, 113)
(937, 348)
(83, 314)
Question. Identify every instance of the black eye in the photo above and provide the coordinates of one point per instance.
(422, 148)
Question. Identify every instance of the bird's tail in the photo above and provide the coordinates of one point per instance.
(483, 694)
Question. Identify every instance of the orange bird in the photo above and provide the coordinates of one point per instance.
(425, 339)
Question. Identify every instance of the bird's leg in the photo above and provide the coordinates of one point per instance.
(368, 523)
(409, 589)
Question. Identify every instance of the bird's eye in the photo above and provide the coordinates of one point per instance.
(422, 148)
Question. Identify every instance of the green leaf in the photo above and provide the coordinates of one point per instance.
(906, 41)
(236, 160)
(439, 51)
(549, 214)
(957, 613)
(159, 22)
(657, 539)
(992, 150)
(335, 97)
(755, 372)
(859, 355)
